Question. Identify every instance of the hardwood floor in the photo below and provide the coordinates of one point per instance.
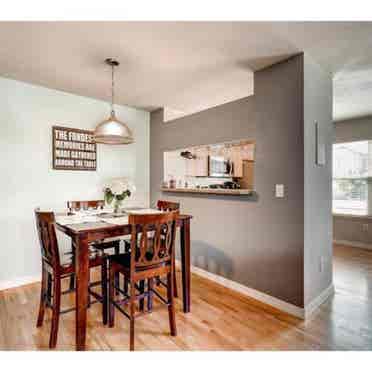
(221, 319)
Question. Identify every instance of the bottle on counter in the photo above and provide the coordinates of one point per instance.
(172, 183)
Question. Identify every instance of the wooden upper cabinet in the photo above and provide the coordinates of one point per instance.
(201, 162)
(248, 151)
(198, 167)
(190, 167)
(237, 159)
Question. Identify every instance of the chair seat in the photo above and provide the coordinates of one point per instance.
(92, 251)
(68, 267)
(122, 259)
(109, 242)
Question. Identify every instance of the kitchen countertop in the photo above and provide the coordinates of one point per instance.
(209, 191)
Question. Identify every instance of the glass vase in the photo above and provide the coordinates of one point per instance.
(117, 206)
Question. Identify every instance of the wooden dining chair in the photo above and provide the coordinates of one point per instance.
(53, 271)
(102, 245)
(167, 206)
(78, 205)
(151, 255)
(164, 206)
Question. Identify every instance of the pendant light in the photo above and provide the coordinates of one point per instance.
(112, 131)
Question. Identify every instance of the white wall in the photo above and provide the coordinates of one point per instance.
(27, 115)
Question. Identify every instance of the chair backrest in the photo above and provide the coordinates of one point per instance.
(77, 205)
(47, 237)
(167, 206)
(155, 234)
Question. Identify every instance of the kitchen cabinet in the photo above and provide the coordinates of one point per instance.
(201, 162)
(236, 158)
(247, 151)
(198, 167)
(190, 167)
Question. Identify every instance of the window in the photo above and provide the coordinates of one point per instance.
(351, 169)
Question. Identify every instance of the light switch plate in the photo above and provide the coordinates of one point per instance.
(279, 191)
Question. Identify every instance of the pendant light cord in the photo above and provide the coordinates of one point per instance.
(112, 91)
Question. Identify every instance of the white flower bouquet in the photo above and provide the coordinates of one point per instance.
(117, 190)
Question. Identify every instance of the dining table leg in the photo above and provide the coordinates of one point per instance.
(82, 280)
(185, 263)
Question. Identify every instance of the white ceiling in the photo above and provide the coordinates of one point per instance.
(185, 66)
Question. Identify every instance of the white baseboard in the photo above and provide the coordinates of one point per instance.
(299, 312)
(6, 284)
(250, 292)
(314, 304)
(353, 244)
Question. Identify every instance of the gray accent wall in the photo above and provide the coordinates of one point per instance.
(318, 181)
(257, 241)
(347, 228)
(353, 130)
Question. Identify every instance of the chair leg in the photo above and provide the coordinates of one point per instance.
(175, 291)
(72, 277)
(142, 291)
(126, 246)
(158, 281)
(49, 287)
(104, 291)
(72, 282)
(56, 311)
(111, 296)
(89, 298)
(117, 275)
(132, 304)
(150, 286)
(126, 286)
(43, 293)
(171, 310)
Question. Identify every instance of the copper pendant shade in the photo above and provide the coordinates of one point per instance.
(113, 131)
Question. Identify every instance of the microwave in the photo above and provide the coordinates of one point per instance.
(219, 166)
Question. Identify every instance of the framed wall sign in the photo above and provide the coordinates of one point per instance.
(74, 149)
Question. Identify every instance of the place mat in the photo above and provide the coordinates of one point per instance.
(112, 215)
(87, 212)
(143, 211)
(89, 225)
(116, 220)
(75, 219)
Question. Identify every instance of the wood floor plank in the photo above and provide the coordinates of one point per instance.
(221, 319)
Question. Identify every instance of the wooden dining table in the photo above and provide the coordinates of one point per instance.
(85, 233)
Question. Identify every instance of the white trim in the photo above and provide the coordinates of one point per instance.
(250, 292)
(314, 304)
(353, 244)
(17, 282)
(299, 312)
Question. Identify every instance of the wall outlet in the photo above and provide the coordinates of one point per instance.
(279, 191)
